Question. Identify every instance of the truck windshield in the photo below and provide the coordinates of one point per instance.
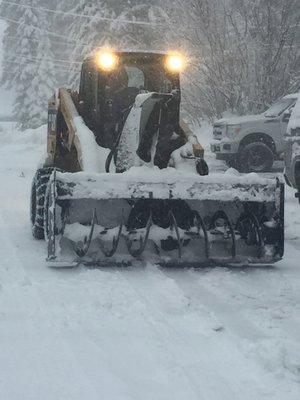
(277, 108)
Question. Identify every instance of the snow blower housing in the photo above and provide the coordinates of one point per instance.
(126, 179)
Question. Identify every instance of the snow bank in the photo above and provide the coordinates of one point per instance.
(292, 96)
(31, 141)
(93, 156)
(11, 135)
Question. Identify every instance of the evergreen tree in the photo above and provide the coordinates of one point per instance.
(63, 48)
(147, 36)
(24, 69)
(43, 84)
(88, 33)
(244, 54)
(93, 32)
(10, 42)
(31, 66)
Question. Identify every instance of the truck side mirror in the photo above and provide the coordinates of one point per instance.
(286, 116)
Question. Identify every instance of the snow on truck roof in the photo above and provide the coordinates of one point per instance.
(292, 96)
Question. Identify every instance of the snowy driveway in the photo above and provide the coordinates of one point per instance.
(141, 332)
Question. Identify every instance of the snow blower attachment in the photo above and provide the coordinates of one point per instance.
(126, 180)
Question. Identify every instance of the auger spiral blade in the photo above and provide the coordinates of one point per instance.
(221, 229)
(250, 231)
(174, 226)
(82, 248)
(142, 240)
(200, 225)
(115, 243)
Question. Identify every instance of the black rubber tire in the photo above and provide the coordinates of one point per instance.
(231, 162)
(37, 200)
(255, 157)
(297, 195)
(297, 180)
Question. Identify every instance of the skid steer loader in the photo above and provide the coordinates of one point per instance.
(125, 179)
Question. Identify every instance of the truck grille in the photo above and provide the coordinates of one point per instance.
(219, 132)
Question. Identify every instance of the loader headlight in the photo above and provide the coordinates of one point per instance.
(107, 60)
(175, 62)
(233, 130)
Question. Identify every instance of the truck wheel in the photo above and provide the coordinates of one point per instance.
(232, 162)
(37, 199)
(297, 180)
(255, 157)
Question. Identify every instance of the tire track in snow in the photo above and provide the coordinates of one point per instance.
(210, 297)
(83, 342)
(16, 218)
(29, 355)
(242, 309)
(216, 359)
(64, 360)
(234, 293)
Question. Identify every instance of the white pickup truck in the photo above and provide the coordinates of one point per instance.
(292, 150)
(251, 143)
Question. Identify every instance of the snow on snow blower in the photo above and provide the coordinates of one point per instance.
(125, 179)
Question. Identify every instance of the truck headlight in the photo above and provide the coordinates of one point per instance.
(233, 130)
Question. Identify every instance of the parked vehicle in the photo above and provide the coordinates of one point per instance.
(252, 143)
(292, 150)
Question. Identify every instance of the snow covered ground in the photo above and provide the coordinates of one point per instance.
(141, 332)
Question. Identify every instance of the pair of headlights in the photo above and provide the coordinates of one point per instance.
(108, 61)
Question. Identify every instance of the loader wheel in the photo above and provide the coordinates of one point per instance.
(38, 190)
(231, 162)
(255, 157)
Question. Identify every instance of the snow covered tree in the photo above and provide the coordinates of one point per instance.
(243, 52)
(145, 31)
(63, 45)
(265, 29)
(31, 66)
(42, 85)
(92, 31)
(9, 13)
(88, 33)
(24, 68)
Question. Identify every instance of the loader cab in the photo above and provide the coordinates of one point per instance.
(107, 94)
